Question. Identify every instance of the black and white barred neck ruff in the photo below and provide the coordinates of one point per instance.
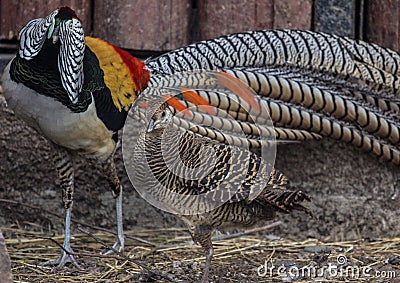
(72, 49)
(33, 35)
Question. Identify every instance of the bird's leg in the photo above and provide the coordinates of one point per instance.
(202, 235)
(63, 162)
(67, 252)
(209, 251)
(110, 173)
(119, 243)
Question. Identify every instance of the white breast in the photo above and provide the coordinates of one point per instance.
(83, 132)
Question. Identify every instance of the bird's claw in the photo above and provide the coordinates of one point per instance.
(62, 261)
(118, 246)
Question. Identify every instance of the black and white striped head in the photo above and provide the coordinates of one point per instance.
(64, 30)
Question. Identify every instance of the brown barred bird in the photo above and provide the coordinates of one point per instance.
(233, 181)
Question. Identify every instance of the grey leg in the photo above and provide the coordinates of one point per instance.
(202, 235)
(63, 163)
(110, 173)
(66, 254)
(209, 255)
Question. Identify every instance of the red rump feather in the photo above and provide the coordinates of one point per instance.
(140, 75)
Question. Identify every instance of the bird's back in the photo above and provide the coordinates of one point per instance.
(246, 187)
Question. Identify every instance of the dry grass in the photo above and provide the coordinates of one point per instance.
(169, 253)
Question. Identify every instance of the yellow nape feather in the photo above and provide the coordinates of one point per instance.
(117, 75)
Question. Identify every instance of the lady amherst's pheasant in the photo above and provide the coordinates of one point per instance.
(76, 91)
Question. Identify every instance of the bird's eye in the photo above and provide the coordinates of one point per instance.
(163, 114)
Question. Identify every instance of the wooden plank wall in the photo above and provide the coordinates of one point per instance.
(146, 24)
(382, 22)
(167, 24)
(219, 17)
(14, 14)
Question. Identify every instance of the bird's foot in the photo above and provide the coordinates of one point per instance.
(205, 279)
(118, 246)
(209, 255)
(63, 260)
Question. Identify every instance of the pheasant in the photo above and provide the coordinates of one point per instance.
(76, 92)
(189, 151)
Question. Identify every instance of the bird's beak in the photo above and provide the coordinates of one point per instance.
(51, 28)
(151, 125)
(55, 34)
(53, 31)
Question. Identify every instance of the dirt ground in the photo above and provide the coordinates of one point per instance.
(355, 195)
(169, 257)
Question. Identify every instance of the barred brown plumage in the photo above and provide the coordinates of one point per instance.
(241, 207)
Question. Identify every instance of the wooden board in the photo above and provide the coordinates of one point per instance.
(382, 23)
(219, 17)
(145, 25)
(15, 14)
(293, 14)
